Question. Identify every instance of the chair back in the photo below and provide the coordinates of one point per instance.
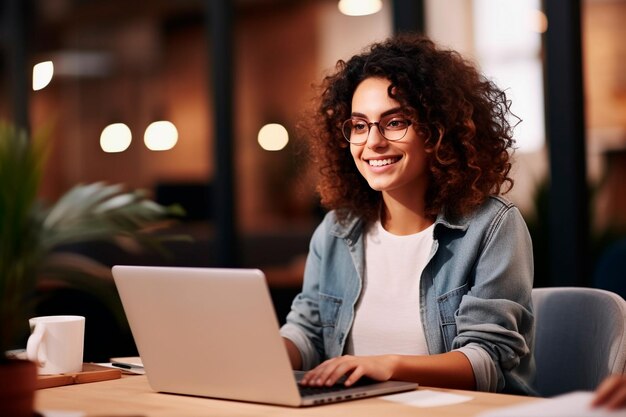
(580, 338)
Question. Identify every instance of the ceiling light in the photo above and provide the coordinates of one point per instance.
(115, 137)
(360, 7)
(273, 137)
(42, 74)
(160, 136)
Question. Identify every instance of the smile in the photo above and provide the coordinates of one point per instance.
(382, 162)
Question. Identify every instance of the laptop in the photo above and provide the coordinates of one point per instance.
(213, 332)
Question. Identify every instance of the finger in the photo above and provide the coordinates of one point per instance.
(310, 377)
(606, 390)
(355, 375)
(617, 400)
(334, 371)
(345, 367)
(318, 375)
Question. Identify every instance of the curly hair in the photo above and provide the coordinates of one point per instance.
(460, 114)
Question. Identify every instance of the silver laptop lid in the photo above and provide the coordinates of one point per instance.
(208, 332)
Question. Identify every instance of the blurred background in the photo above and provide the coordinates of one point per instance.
(197, 101)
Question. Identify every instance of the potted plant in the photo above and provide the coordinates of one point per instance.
(33, 235)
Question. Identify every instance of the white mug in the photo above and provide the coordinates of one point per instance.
(56, 344)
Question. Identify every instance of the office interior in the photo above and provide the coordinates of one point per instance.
(220, 72)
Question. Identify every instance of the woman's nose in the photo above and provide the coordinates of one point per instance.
(375, 139)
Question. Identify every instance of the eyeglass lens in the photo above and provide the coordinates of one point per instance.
(356, 130)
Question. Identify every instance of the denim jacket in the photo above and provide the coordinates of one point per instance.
(475, 293)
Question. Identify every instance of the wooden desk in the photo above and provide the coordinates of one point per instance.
(132, 396)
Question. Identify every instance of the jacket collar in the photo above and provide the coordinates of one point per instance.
(352, 227)
(456, 223)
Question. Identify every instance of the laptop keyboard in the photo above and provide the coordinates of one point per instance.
(306, 390)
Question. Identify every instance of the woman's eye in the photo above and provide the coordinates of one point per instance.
(396, 124)
(358, 126)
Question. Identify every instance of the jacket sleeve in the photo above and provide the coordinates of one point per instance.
(495, 323)
(303, 326)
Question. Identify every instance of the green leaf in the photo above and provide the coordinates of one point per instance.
(31, 233)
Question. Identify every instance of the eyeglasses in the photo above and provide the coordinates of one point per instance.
(392, 128)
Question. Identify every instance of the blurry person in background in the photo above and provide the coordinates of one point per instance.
(421, 270)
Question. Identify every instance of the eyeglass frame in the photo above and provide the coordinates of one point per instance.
(378, 126)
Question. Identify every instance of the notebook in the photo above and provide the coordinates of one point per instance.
(213, 332)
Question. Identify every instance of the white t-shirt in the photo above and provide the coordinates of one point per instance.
(387, 318)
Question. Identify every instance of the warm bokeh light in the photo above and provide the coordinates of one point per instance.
(42, 74)
(115, 137)
(161, 136)
(359, 7)
(537, 21)
(273, 137)
(508, 46)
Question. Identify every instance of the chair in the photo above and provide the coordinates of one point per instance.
(580, 338)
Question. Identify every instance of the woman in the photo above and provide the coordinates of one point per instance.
(420, 271)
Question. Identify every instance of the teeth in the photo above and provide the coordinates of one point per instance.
(382, 162)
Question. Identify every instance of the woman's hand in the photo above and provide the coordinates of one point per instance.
(328, 372)
(611, 393)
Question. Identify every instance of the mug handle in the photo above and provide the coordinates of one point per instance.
(34, 349)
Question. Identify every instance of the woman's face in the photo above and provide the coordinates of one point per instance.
(396, 168)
